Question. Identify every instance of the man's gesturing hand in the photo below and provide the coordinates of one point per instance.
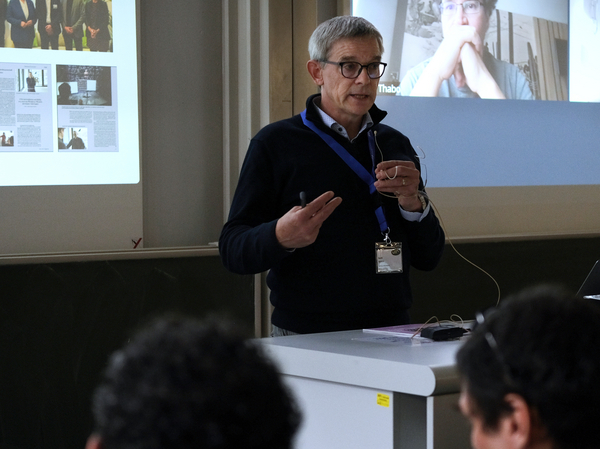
(300, 226)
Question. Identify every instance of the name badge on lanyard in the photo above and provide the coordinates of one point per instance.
(389, 257)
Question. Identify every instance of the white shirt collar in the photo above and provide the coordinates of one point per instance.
(331, 123)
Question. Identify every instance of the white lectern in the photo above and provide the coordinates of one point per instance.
(365, 390)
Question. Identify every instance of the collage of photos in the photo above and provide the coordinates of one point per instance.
(87, 119)
(85, 114)
(528, 50)
(26, 108)
(80, 25)
(83, 93)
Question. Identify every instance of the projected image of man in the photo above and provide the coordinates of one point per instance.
(64, 94)
(61, 136)
(2, 22)
(49, 18)
(462, 66)
(73, 18)
(76, 142)
(7, 140)
(31, 82)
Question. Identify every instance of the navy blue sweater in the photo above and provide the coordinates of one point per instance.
(332, 284)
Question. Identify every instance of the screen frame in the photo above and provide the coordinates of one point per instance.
(80, 217)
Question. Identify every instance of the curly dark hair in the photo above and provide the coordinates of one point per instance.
(183, 384)
(547, 344)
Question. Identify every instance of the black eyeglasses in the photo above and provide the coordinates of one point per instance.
(468, 7)
(352, 70)
(493, 344)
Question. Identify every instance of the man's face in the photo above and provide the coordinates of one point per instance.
(481, 437)
(480, 21)
(348, 100)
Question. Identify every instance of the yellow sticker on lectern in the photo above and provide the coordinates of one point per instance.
(383, 399)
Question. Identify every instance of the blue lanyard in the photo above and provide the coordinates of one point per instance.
(357, 167)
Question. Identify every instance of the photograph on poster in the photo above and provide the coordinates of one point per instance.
(7, 138)
(84, 85)
(77, 138)
(85, 108)
(79, 24)
(27, 102)
(32, 80)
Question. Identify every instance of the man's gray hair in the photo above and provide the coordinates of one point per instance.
(341, 27)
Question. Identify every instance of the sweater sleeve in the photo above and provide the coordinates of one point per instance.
(11, 15)
(426, 241)
(248, 243)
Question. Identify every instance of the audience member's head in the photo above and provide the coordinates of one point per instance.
(531, 373)
(187, 384)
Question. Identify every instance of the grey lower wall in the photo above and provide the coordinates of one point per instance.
(458, 287)
(59, 322)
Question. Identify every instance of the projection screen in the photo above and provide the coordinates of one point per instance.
(522, 167)
(69, 128)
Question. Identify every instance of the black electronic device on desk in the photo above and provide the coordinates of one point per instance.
(439, 333)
